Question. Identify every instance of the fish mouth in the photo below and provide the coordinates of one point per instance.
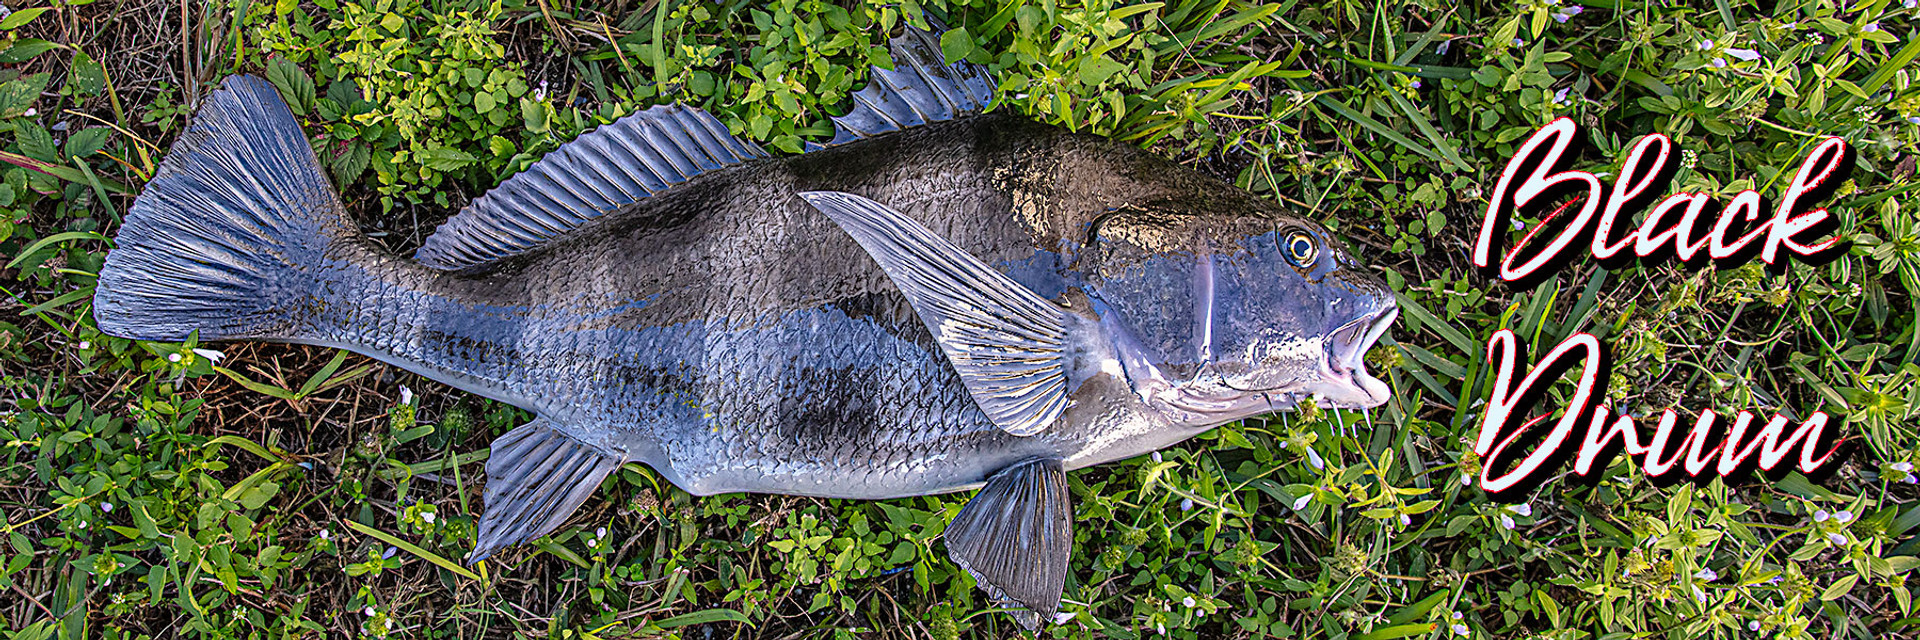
(1345, 383)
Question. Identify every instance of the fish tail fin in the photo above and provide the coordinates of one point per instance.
(225, 234)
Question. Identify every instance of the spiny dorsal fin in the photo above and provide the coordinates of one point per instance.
(920, 89)
(606, 170)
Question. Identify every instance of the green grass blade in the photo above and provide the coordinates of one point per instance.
(409, 547)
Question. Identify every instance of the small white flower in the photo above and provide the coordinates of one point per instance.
(1300, 504)
(1519, 225)
(210, 354)
(1506, 521)
(1186, 504)
(388, 553)
(1699, 596)
(1871, 27)
(1560, 97)
(369, 611)
(326, 535)
(1522, 509)
(427, 516)
(1466, 481)
(1063, 617)
(1754, 625)
(1457, 615)
(1519, 43)
(1843, 517)
(1313, 458)
(31, 112)
(389, 624)
(83, 524)
(85, 344)
(107, 507)
(1705, 45)
(1187, 602)
(1748, 55)
(1459, 629)
(1718, 63)
(1910, 4)
(1156, 456)
(173, 357)
(1448, 44)
(1837, 539)
(600, 532)
(1161, 627)
(1820, 515)
(406, 395)
(1406, 520)
(1706, 574)
(1897, 466)
(1416, 84)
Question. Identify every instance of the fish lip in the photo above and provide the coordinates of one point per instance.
(1345, 382)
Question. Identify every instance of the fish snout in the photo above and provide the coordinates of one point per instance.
(1345, 381)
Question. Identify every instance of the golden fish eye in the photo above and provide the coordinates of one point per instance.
(1301, 249)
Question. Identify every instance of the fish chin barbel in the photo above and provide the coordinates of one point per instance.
(934, 301)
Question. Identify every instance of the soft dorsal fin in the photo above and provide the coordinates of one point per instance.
(606, 170)
(920, 89)
(1008, 344)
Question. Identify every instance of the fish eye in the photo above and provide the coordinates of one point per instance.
(1300, 249)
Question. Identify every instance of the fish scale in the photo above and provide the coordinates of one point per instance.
(936, 300)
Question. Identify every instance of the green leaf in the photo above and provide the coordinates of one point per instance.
(87, 75)
(20, 18)
(413, 549)
(708, 616)
(26, 49)
(1400, 631)
(295, 86)
(1839, 587)
(35, 141)
(352, 162)
(956, 44)
(1098, 69)
(446, 159)
(87, 141)
(483, 102)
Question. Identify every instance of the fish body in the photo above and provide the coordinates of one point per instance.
(969, 300)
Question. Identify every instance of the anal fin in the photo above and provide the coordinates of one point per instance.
(536, 477)
(1016, 538)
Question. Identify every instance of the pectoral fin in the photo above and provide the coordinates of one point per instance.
(536, 477)
(1007, 343)
(1016, 538)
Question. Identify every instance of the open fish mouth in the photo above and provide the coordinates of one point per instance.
(1345, 383)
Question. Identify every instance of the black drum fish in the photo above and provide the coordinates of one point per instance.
(937, 300)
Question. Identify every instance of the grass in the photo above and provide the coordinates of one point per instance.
(286, 491)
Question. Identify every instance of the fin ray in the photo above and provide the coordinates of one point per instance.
(537, 476)
(584, 180)
(1007, 343)
(221, 239)
(921, 88)
(1016, 538)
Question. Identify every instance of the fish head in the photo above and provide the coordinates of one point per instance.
(1215, 318)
